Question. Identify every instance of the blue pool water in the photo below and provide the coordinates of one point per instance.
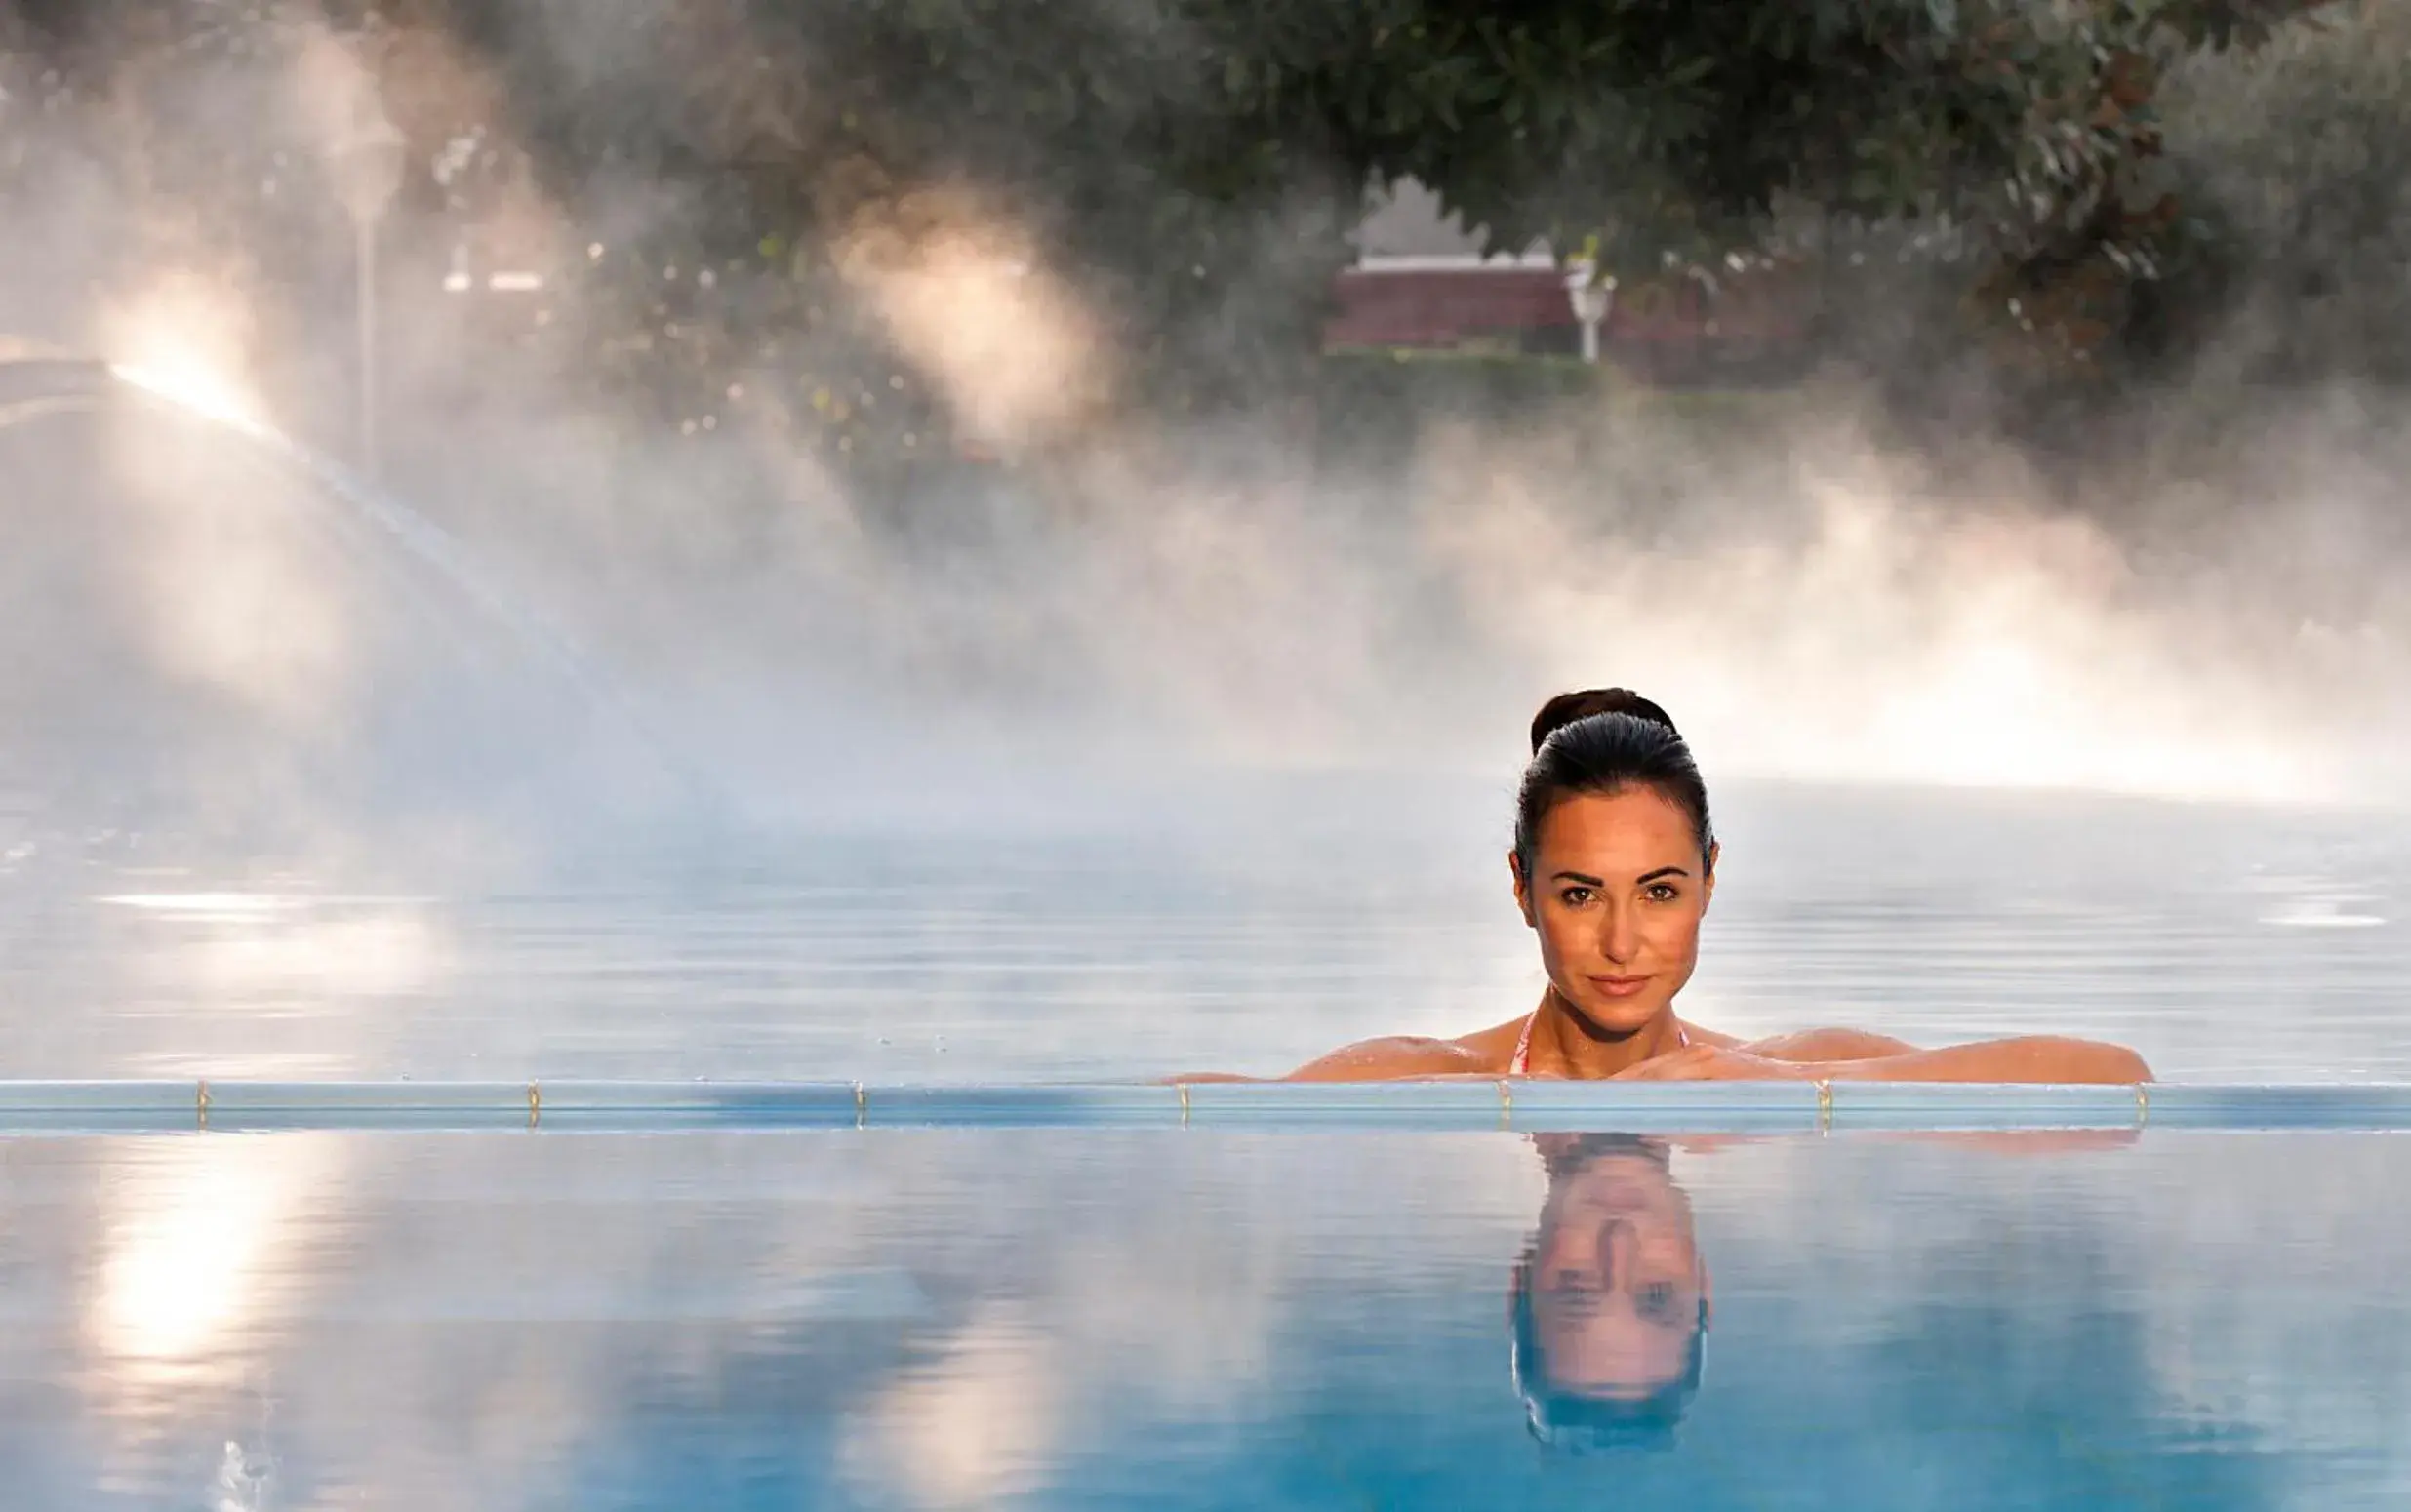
(943, 1319)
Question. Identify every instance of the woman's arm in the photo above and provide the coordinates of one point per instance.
(1399, 1059)
(2039, 1059)
(1829, 1045)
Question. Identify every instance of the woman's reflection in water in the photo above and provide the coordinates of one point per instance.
(1611, 1298)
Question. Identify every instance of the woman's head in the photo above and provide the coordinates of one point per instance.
(1615, 856)
(1610, 1302)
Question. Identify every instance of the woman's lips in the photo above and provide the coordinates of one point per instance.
(1619, 986)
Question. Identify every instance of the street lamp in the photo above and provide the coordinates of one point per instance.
(367, 165)
(1592, 295)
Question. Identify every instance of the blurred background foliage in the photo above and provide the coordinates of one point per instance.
(2039, 196)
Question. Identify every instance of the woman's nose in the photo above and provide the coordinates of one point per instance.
(1619, 938)
(1618, 1246)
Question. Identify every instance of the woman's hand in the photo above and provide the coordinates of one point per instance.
(1715, 1063)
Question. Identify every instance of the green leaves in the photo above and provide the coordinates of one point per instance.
(1192, 166)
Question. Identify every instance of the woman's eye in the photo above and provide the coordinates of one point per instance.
(1656, 1301)
(1572, 1286)
(1663, 893)
(1574, 897)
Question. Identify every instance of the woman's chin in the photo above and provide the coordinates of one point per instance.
(1613, 1016)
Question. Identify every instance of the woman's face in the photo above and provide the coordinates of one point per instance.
(1618, 1290)
(1617, 890)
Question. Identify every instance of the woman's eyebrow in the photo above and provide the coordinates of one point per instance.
(1662, 871)
(1576, 876)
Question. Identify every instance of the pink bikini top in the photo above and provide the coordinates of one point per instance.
(1521, 1065)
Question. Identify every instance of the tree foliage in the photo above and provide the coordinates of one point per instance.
(1193, 166)
(2298, 164)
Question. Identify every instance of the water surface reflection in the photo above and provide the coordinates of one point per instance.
(936, 1319)
(1611, 1300)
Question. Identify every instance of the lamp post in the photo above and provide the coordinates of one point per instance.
(1592, 297)
(367, 163)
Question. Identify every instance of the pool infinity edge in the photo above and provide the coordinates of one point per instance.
(1528, 1105)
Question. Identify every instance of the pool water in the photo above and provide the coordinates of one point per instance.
(1230, 926)
(947, 1319)
(943, 1319)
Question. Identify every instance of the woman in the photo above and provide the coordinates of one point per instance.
(1614, 867)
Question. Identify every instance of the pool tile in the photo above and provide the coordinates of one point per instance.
(2179, 1106)
(1944, 1106)
(365, 1104)
(1666, 1107)
(172, 1102)
(697, 1105)
(1356, 1104)
(1120, 1106)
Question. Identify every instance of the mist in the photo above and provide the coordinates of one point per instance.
(2200, 601)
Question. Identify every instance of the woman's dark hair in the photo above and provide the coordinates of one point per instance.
(1605, 740)
(1581, 1423)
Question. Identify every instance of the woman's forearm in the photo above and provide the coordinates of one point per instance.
(2041, 1058)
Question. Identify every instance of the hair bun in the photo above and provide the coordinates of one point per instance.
(1567, 707)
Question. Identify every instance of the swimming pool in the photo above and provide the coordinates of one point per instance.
(1242, 927)
(697, 1294)
(956, 1317)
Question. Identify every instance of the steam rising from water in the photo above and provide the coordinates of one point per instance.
(1811, 601)
(1011, 348)
(1883, 633)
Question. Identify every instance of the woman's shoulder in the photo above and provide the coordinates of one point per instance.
(1484, 1053)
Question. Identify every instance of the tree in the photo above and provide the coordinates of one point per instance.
(2297, 161)
(1192, 168)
